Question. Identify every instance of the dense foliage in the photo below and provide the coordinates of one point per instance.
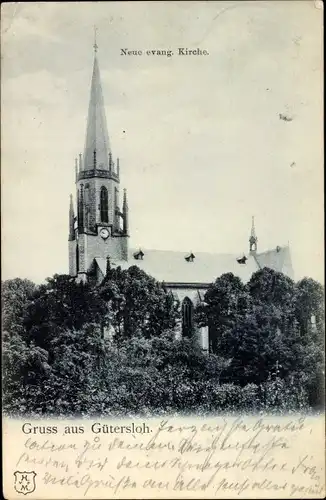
(79, 349)
(136, 304)
(270, 326)
(15, 294)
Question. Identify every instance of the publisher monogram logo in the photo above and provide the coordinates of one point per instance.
(25, 482)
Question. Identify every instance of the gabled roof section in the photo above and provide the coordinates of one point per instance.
(278, 259)
(172, 268)
(97, 145)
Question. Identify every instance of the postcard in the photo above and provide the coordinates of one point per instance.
(162, 262)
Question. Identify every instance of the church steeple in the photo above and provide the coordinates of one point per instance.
(97, 145)
(253, 238)
(98, 233)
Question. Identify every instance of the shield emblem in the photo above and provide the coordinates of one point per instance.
(25, 482)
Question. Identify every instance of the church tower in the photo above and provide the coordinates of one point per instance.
(100, 229)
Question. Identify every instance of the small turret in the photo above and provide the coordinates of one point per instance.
(118, 168)
(76, 170)
(253, 238)
(71, 220)
(125, 213)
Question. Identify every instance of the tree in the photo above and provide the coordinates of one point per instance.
(273, 298)
(310, 303)
(283, 311)
(16, 294)
(59, 305)
(136, 304)
(225, 303)
(274, 294)
(25, 368)
(77, 371)
(258, 326)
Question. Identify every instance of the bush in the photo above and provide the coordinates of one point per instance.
(282, 395)
(92, 376)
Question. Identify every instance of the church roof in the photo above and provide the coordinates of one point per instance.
(97, 138)
(278, 259)
(172, 267)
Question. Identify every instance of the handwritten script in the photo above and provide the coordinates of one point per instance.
(258, 457)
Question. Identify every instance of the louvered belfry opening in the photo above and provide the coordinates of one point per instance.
(104, 205)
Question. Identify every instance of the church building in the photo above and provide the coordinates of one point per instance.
(100, 229)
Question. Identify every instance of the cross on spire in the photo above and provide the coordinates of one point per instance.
(95, 46)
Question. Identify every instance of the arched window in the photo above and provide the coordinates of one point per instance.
(187, 317)
(104, 205)
(212, 339)
(81, 206)
(116, 207)
(87, 204)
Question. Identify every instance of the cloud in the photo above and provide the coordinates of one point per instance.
(25, 21)
(40, 88)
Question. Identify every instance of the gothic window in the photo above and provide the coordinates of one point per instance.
(187, 317)
(81, 206)
(116, 209)
(104, 205)
(212, 339)
(87, 204)
(86, 194)
(116, 198)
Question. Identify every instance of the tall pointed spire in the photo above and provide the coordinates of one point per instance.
(253, 238)
(97, 145)
(253, 230)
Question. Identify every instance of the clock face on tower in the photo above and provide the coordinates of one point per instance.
(104, 233)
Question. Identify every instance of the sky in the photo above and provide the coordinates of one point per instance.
(201, 144)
